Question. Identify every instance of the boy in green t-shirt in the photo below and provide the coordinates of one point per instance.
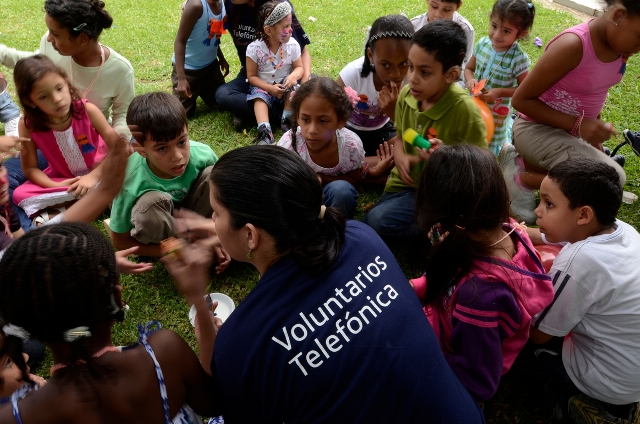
(166, 172)
(437, 108)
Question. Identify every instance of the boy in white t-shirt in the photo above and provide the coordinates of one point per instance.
(596, 280)
(274, 66)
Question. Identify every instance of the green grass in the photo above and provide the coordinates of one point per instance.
(144, 33)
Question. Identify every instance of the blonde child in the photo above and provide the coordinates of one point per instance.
(501, 63)
(320, 110)
(561, 100)
(72, 134)
(274, 66)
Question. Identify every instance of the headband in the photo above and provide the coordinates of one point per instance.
(278, 13)
(390, 34)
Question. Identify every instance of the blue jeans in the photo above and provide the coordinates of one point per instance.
(232, 97)
(16, 177)
(8, 109)
(394, 215)
(342, 195)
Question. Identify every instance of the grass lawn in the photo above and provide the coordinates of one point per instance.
(144, 34)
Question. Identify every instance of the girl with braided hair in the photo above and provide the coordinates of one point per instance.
(60, 283)
(375, 80)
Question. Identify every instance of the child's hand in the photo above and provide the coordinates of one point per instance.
(38, 380)
(596, 132)
(190, 270)
(489, 96)
(290, 81)
(67, 183)
(183, 89)
(8, 142)
(223, 259)
(385, 161)
(125, 266)
(277, 90)
(224, 66)
(425, 154)
(83, 185)
(404, 168)
(471, 84)
(387, 99)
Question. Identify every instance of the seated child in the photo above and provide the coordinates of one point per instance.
(320, 110)
(500, 62)
(71, 300)
(274, 66)
(444, 9)
(166, 172)
(376, 79)
(9, 111)
(198, 61)
(432, 105)
(484, 280)
(597, 296)
(72, 134)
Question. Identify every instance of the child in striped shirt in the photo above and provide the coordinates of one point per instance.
(500, 62)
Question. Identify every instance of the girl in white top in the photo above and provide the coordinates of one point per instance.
(274, 66)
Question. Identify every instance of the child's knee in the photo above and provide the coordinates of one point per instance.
(152, 217)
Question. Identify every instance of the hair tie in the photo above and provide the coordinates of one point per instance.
(459, 227)
(390, 34)
(278, 12)
(74, 334)
(79, 27)
(323, 208)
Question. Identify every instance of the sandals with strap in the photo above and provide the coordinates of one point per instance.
(43, 217)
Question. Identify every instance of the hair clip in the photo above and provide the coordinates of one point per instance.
(530, 5)
(79, 27)
(74, 334)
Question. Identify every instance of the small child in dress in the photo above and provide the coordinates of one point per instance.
(61, 284)
(274, 66)
(320, 111)
(484, 280)
(501, 64)
(72, 134)
(377, 78)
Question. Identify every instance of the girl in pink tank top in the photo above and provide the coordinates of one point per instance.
(72, 134)
(568, 86)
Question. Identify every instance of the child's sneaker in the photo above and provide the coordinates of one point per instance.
(11, 127)
(265, 136)
(522, 201)
(633, 138)
(585, 410)
(285, 124)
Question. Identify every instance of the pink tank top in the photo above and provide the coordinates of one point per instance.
(585, 87)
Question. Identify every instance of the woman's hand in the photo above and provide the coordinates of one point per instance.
(190, 270)
(125, 266)
(193, 227)
(596, 132)
(223, 259)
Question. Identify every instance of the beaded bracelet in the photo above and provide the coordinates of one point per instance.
(575, 131)
(365, 172)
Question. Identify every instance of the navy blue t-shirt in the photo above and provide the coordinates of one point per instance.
(242, 27)
(349, 345)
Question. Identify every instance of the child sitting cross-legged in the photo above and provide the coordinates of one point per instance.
(432, 105)
(166, 172)
(597, 296)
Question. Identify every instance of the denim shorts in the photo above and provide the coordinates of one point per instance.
(259, 93)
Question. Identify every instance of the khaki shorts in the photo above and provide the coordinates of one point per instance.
(545, 146)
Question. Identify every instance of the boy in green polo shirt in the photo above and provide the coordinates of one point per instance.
(167, 171)
(434, 106)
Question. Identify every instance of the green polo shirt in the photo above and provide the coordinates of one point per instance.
(455, 117)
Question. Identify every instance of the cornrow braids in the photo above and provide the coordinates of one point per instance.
(391, 26)
(57, 278)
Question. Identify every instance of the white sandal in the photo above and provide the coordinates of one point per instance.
(43, 217)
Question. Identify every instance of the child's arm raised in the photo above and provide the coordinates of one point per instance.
(29, 162)
(562, 56)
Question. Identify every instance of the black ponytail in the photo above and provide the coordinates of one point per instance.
(275, 190)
